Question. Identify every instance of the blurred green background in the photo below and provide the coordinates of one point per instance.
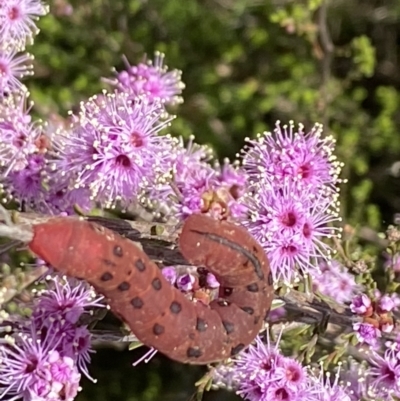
(246, 64)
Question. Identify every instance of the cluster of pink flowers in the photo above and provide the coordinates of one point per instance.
(335, 281)
(376, 316)
(200, 285)
(292, 197)
(263, 373)
(195, 185)
(43, 357)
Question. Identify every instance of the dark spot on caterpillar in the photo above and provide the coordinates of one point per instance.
(252, 287)
(193, 353)
(255, 250)
(137, 302)
(109, 263)
(117, 251)
(246, 264)
(270, 279)
(175, 307)
(107, 276)
(156, 284)
(237, 349)
(221, 302)
(124, 286)
(227, 291)
(201, 325)
(228, 326)
(139, 264)
(256, 319)
(192, 336)
(247, 309)
(158, 329)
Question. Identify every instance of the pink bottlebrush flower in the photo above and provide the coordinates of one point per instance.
(335, 281)
(31, 368)
(12, 69)
(18, 134)
(65, 300)
(57, 311)
(292, 197)
(322, 388)
(151, 80)
(292, 155)
(26, 186)
(295, 375)
(17, 20)
(263, 373)
(114, 148)
(291, 225)
(383, 375)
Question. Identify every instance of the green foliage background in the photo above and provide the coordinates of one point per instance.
(246, 64)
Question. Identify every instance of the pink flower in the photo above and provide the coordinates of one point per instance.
(170, 274)
(360, 304)
(185, 282)
(17, 20)
(292, 197)
(114, 149)
(151, 80)
(386, 304)
(12, 69)
(366, 333)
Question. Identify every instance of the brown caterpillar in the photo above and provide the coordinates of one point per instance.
(157, 313)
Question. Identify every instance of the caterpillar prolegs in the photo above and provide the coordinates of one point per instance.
(158, 314)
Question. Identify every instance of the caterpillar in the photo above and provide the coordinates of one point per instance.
(157, 313)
